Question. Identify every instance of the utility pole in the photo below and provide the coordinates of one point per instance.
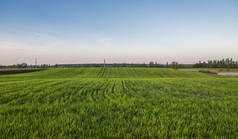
(35, 62)
(104, 63)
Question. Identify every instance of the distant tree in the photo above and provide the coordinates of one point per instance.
(24, 65)
(167, 64)
(174, 65)
(44, 66)
(151, 63)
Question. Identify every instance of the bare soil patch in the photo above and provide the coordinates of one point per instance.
(227, 73)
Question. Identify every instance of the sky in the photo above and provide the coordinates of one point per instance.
(132, 31)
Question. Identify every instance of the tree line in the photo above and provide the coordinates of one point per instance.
(24, 65)
(224, 63)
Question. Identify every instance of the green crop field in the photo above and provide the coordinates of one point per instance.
(118, 102)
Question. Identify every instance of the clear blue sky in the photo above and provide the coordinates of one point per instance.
(87, 31)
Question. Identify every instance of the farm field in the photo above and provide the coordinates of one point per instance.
(118, 102)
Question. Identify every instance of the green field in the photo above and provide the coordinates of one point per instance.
(118, 102)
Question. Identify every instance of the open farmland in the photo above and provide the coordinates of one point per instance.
(118, 102)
